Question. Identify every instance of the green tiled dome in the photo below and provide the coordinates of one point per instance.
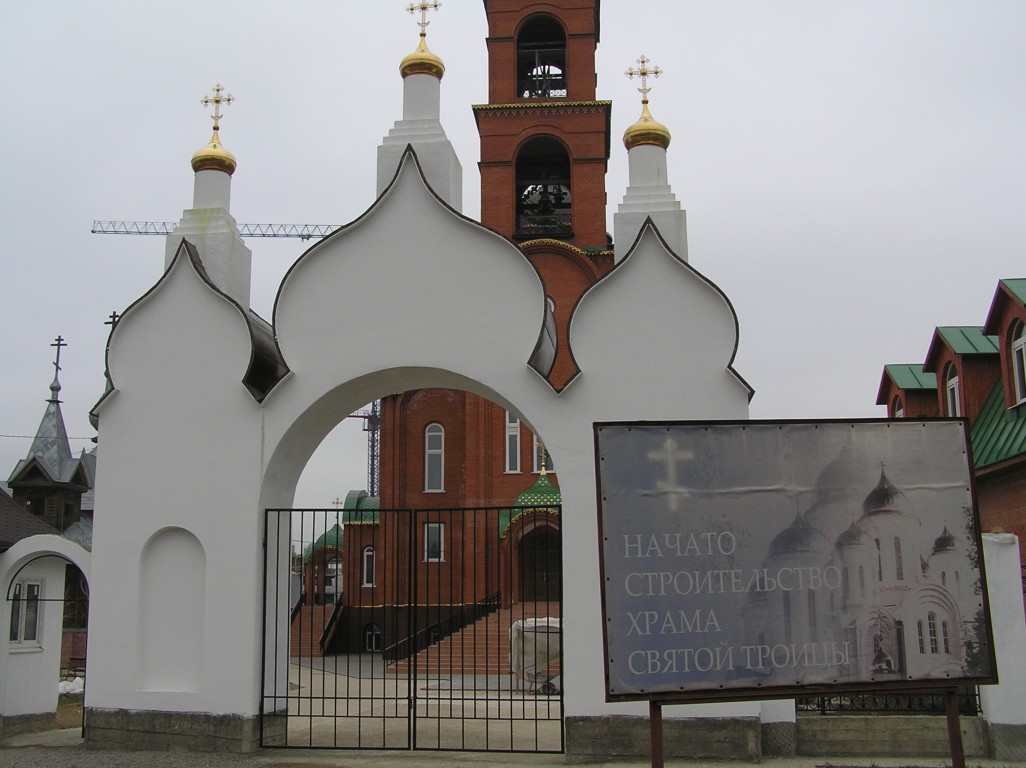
(330, 539)
(543, 496)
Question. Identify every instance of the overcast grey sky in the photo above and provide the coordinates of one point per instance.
(854, 172)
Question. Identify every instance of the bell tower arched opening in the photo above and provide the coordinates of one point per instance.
(544, 197)
(541, 59)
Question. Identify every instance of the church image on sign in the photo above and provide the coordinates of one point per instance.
(898, 609)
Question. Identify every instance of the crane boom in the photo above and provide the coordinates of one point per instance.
(302, 231)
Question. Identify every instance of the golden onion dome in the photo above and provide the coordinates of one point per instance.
(422, 62)
(214, 157)
(646, 131)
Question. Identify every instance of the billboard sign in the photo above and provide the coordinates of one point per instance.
(760, 559)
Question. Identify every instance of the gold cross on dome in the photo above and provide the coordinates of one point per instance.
(422, 8)
(219, 98)
(644, 72)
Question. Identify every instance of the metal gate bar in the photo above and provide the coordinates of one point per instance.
(396, 629)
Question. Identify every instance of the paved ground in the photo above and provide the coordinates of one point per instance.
(64, 749)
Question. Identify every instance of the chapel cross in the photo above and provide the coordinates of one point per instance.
(112, 320)
(217, 100)
(671, 454)
(644, 72)
(60, 344)
(422, 8)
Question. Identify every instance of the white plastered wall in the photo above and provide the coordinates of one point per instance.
(411, 295)
(29, 674)
(1005, 703)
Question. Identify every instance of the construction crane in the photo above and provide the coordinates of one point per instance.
(302, 231)
(372, 417)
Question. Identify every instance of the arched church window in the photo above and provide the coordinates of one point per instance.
(951, 397)
(944, 637)
(367, 575)
(434, 458)
(899, 567)
(931, 625)
(372, 638)
(1018, 337)
(543, 194)
(922, 641)
(897, 409)
(512, 443)
(541, 59)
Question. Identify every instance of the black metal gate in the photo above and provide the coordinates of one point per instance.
(413, 629)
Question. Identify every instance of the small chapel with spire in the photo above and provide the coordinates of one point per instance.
(50, 482)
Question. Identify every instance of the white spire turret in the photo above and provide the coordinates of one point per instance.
(208, 224)
(420, 125)
(648, 192)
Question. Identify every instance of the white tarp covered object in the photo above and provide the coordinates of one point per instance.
(535, 647)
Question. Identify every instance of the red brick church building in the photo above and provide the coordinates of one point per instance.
(484, 487)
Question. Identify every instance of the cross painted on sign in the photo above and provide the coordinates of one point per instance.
(670, 455)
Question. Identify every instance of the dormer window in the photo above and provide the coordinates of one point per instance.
(951, 397)
(1018, 342)
(541, 60)
(543, 190)
(897, 410)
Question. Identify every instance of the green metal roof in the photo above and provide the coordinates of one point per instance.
(911, 376)
(963, 340)
(999, 433)
(360, 509)
(968, 339)
(1017, 286)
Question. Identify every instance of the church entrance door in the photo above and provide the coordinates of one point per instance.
(541, 566)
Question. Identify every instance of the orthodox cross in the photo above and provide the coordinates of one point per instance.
(423, 7)
(219, 98)
(644, 72)
(60, 344)
(670, 456)
(112, 321)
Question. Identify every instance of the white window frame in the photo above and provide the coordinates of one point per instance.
(22, 605)
(432, 455)
(951, 391)
(897, 409)
(1018, 350)
(372, 638)
(368, 563)
(538, 452)
(439, 529)
(512, 444)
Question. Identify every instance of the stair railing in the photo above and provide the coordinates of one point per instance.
(442, 629)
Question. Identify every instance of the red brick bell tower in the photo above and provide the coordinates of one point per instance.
(545, 148)
(544, 137)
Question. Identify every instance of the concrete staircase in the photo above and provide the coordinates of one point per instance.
(481, 648)
(306, 630)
